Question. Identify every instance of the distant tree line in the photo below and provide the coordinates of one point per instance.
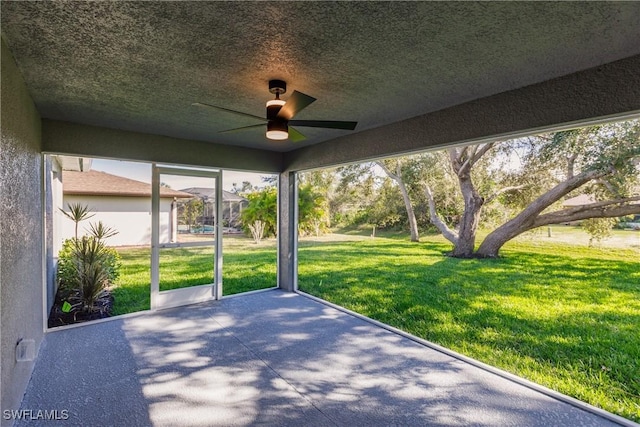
(259, 217)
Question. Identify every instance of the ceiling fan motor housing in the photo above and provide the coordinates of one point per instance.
(277, 87)
(272, 113)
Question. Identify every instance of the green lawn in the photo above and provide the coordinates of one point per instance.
(562, 315)
(247, 267)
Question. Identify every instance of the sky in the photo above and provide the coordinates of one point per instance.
(142, 172)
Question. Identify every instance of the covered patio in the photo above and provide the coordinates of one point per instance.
(127, 80)
(277, 358)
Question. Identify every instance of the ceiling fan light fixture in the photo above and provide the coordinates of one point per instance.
(277, 102)
(277, 130)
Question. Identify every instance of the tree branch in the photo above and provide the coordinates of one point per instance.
(557, 192)
(388, 172)
(526, 219)
(472, 150)
(605, 209)
(466, 154)
(482, 151)
(571, 161)
(473, 153)
(465, 167)
(606, 184)
(454, 158)
(448, 233)
(492, 197)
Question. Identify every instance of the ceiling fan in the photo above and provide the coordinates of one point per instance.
(280, 115)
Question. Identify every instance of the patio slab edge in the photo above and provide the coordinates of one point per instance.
(48, 329)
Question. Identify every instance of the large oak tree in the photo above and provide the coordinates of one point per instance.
(600, 161)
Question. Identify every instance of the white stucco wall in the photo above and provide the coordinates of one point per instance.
(131, 216)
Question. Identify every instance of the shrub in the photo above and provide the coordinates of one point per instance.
(66, 257)
(313, 211)
(598, 228)
(66, 271)
(263, 207)
(257, 230)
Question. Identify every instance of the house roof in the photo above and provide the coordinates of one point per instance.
(227, 196)
(582, 199)
(96, 183)
(585, 199)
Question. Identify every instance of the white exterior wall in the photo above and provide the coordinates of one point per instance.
(130, 216)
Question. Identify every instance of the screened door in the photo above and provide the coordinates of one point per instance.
(186, 253)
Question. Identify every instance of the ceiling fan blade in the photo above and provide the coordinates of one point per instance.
(200, 104)
(295, 135)
(295, 103)
(329, 124)
(261, 125)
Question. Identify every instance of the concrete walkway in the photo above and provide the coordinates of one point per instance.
(272, 359)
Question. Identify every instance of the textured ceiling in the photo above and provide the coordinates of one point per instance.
(140, 65)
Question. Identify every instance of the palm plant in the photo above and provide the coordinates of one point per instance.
(86, 267)
(90, 263)
(77, 213)
(101, 231)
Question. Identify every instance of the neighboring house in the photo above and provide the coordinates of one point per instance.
(232, 205)
(579, 200)
(582, 199)
(586, 199)
(120, 203)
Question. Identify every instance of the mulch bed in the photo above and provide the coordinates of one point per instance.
(102, 309)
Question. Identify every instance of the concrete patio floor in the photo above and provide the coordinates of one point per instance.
(271, 358)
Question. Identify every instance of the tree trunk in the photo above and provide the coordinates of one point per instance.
(470, 218)
(492, 244)
(529, 218)
(448, 233)
(413, 224)
(397, 177)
